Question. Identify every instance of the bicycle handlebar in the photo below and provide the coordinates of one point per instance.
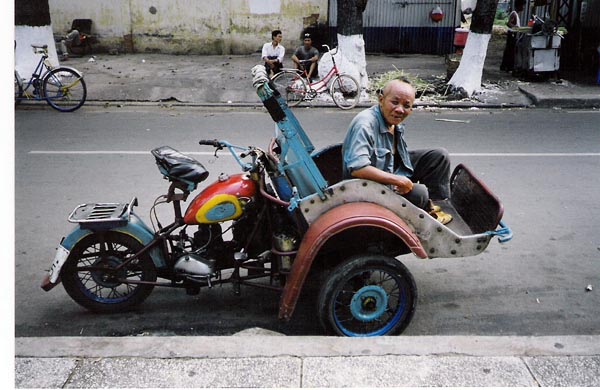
(211, 142)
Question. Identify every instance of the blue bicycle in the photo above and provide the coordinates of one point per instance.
(62, 87)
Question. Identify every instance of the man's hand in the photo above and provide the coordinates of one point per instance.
(400, 184)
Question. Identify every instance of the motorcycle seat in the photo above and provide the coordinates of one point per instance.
(179, 167)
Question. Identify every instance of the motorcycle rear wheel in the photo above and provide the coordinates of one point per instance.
(105, 292)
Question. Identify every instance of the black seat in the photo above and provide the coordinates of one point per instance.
(179, 167)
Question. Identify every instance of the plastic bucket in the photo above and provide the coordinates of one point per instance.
(460, 37)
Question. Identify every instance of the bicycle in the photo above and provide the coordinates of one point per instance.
(293, 86)
(63, 88)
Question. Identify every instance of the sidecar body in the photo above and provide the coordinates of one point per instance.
(346, 217)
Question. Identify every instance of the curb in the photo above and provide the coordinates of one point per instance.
(245, 346)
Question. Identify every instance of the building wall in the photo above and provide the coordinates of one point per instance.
(190, 26)
(405, 26)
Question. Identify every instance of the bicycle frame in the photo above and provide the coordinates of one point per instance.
(37, 75)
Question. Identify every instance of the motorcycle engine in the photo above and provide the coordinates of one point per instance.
(195, 265)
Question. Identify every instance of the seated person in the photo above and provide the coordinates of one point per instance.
(374, 149)
(72, 38)
(273, 52)
(306, 56)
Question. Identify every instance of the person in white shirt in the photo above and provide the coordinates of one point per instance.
(273, 52)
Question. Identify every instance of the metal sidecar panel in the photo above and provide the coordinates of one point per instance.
(437, 240)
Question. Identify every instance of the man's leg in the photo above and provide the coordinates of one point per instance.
(432, 168)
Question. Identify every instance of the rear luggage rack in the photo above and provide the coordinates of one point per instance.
(102, 215)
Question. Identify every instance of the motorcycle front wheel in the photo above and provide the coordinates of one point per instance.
(90, 279)
(367, 295)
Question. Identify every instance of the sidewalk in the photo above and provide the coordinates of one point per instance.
(218, 80)
(252, 359)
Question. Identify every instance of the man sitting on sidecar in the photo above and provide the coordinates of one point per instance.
(375, 149)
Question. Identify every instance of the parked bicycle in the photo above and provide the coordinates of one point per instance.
(62, 87)
(294, 86)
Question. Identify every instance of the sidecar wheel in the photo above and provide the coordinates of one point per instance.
(367, 295)
(101, 291)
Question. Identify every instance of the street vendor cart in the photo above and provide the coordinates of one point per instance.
(538, 49)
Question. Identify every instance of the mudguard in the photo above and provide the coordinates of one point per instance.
(329, 224)
(135, 228)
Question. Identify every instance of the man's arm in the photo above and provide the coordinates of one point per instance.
(401, 184)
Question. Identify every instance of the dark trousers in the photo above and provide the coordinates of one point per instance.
(431, 176)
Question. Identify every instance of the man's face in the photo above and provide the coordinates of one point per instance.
(396, 102)
(278, 38)
(307, 42)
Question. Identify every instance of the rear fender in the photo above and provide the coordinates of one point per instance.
(327, 226)
(134, 228)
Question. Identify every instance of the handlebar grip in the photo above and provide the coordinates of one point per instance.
(210, 142)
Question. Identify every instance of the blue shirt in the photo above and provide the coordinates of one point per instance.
(369, 142)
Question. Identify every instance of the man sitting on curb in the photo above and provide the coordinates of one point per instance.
(306, 56)
(375, 149)
(273, 52)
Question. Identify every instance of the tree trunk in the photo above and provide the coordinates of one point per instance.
(467, 78)
(32, 13)
(32, 27)
(350, 39)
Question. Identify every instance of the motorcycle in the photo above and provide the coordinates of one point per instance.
(292, 220)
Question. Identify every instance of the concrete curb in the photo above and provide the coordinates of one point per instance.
(272, 346)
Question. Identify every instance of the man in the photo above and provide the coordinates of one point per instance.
(273, 52)
(375, 149)
(306, 56)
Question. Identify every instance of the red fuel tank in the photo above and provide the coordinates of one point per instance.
(221, 201)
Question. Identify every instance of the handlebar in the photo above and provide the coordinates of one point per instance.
(329, 49)
(245, 151)
(212, 142)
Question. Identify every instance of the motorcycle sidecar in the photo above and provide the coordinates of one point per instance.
(355, 229)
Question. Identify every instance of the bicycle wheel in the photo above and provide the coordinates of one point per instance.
(345, 91)
(18, 89)
(291, 86)
(64, 89)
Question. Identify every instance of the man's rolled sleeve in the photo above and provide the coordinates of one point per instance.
(357, 150)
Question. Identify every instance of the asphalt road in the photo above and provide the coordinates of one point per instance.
(543, 165)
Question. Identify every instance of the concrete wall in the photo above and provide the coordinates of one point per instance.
(190, 26)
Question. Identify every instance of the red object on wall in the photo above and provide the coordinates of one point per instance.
(437, 14)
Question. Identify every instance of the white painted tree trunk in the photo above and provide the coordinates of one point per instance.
(350, 59)
(25, 59)
(469, 72)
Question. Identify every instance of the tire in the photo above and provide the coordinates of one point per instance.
(64, 89)
(367, 295)
(99, 291)
(291, 86)
(345, 91)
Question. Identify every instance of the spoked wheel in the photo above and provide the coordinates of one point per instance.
(64, 89)
(345, 91)
(89, 277)
(367, 295)
(291, 86)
